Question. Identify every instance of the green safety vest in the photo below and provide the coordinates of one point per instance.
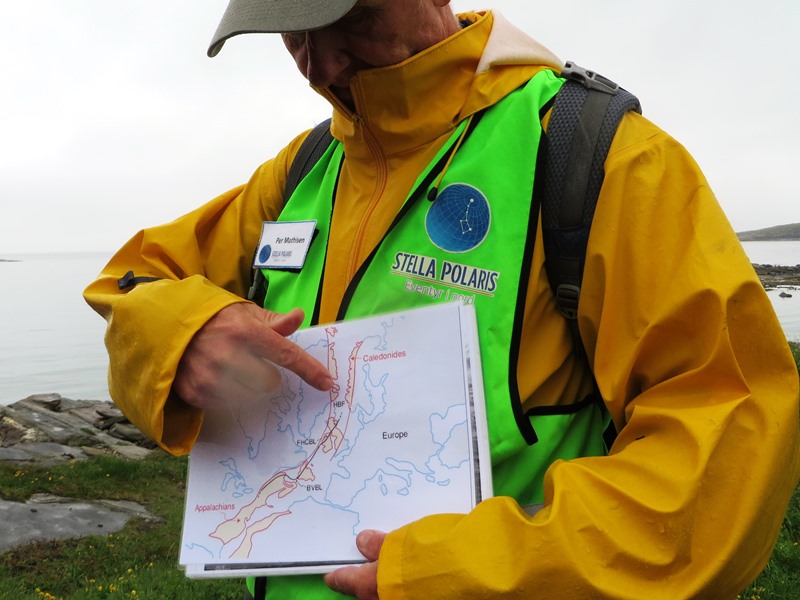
(464, 245)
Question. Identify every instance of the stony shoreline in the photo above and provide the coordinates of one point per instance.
(773, 276)
(48, 429)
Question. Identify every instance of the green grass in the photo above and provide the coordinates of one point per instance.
(780, 580)
(795, 347)
(141, 561)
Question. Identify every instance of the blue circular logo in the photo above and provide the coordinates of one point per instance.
(459, 218)
(264, 254)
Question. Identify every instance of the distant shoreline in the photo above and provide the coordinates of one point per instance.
(779, 233)
(762, 238)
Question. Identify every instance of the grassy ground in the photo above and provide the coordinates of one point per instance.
(781, 578)
(141, 560)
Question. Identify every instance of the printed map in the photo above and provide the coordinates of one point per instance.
(286, 484)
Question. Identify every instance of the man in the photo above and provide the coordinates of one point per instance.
(686, 351)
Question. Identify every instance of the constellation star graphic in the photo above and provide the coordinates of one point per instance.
(465, 225)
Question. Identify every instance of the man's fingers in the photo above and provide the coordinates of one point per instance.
(269, 342)
(369, 543)
(283, 323)
(254, 374)
(360, 582)
(234, 355)
(207, 389)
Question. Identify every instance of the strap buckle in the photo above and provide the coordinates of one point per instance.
(567, 296)
(589, 79)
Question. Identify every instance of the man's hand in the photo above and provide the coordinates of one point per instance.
(362, 581)
(232, 358)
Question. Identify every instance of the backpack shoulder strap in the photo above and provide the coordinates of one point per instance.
(310, 151)
(585, 116)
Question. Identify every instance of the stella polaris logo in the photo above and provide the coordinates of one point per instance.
(265, 253)
(459, 219)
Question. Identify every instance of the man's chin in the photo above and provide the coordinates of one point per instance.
(344, 95)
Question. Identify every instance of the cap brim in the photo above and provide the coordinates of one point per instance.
(276, 16)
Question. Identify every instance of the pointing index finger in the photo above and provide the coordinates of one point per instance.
(271, 345)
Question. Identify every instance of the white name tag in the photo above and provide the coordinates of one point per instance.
(284, 244)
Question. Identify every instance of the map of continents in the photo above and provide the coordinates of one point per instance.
(291, 480)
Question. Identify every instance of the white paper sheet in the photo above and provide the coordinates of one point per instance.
(284, 485)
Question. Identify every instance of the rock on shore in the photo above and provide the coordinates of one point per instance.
(48, 429)
(773, 276)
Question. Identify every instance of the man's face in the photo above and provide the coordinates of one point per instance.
(375, 33)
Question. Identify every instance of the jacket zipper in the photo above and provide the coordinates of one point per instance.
(381, 177)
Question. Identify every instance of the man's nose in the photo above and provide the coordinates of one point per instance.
(326, 59)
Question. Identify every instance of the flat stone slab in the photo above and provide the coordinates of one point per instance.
(45, 517)
(42, 453)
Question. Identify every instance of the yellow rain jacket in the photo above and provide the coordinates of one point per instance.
(685, 346)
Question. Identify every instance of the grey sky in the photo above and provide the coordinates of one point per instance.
(112, 118)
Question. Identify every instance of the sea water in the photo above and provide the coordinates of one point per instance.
(51, 341)
(784, 254)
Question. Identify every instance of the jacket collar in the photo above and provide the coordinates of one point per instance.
(410, 104)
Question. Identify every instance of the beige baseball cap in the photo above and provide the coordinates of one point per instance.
(276, 16)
